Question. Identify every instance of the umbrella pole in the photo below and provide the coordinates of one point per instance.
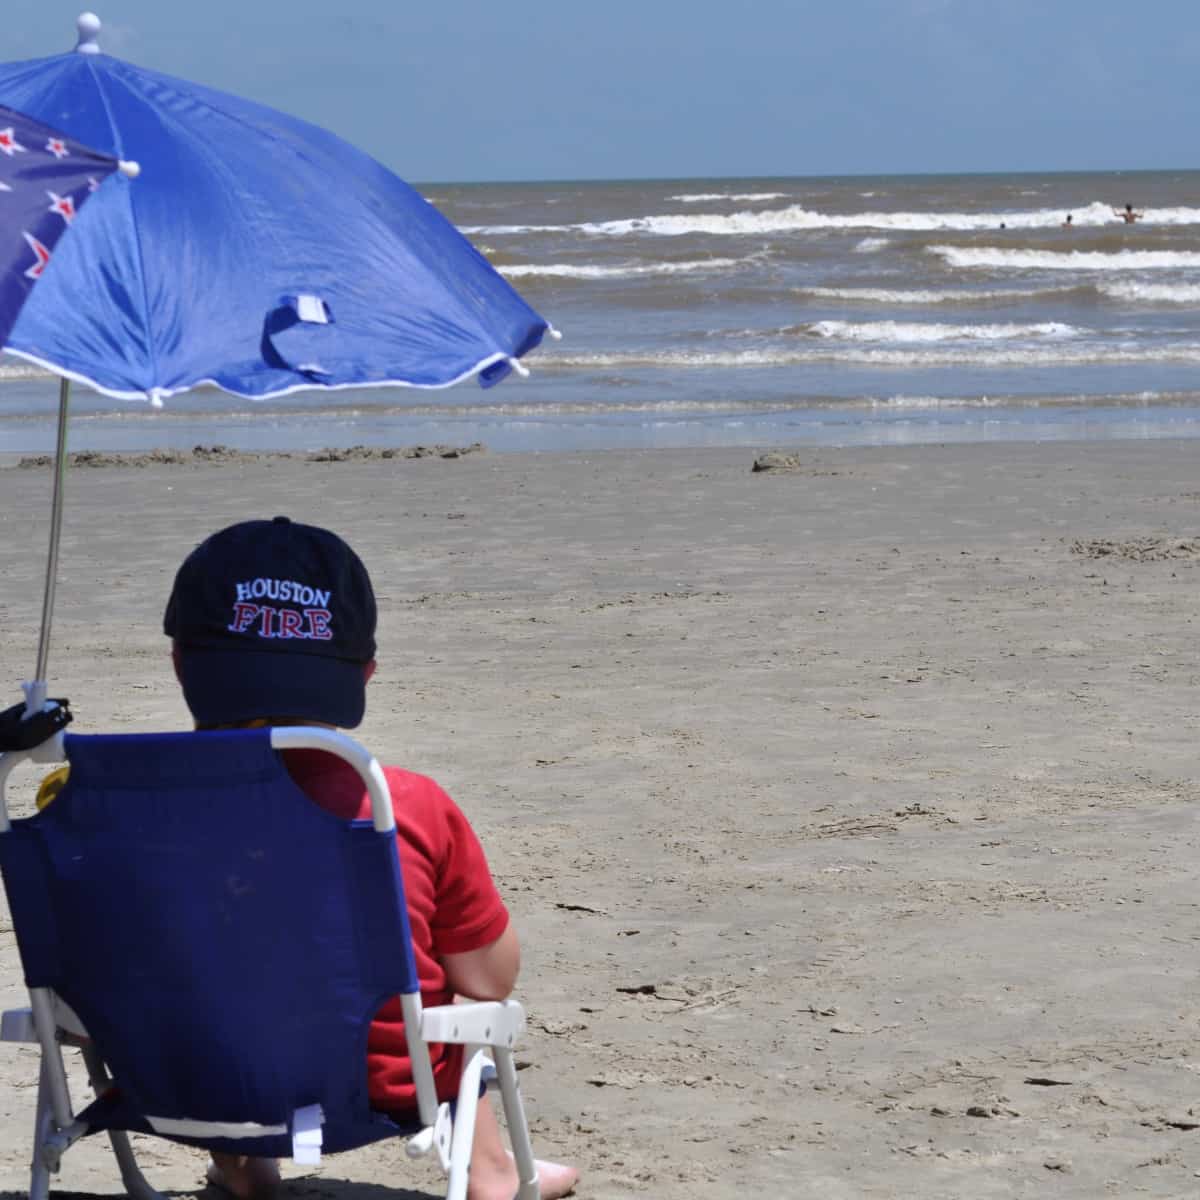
(35, 695)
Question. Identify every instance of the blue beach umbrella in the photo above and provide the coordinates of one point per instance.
(257, 253)
(261, 254)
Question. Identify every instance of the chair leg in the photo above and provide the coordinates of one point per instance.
(462, 1141)
(131, 1175)
(528, 1187)
(43, 1124)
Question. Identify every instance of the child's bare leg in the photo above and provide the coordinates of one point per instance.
(244, 1177)
(493, 1172)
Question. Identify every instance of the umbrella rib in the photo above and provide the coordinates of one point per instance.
(119, 146)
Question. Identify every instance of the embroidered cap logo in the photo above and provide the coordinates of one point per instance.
(312, 620)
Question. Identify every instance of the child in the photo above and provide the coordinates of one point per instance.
(272, 623)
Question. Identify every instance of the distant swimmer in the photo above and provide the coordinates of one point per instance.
(1127, 214)
(1068, 223)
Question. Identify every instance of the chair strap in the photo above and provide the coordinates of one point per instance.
(187, 1127)
(306, 1131)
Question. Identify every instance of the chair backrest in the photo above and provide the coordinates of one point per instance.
(224, 940)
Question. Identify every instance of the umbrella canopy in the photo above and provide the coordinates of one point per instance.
(257, 252)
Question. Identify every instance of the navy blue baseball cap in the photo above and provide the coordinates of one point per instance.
(273, 619)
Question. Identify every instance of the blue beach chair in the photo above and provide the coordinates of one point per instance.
(216, 944)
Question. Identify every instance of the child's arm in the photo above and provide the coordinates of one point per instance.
(488, 973)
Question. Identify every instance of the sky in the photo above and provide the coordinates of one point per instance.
(466, 90)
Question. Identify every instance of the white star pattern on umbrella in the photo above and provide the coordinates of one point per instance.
(42, 254)
(63, 205)
(57, 147)
(9, 144)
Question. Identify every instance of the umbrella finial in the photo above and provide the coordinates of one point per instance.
(88, 25)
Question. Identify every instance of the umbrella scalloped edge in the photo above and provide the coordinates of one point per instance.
(157, 395)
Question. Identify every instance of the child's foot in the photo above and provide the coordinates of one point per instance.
(497, 1180)
(556, 1179)
(244, 1178)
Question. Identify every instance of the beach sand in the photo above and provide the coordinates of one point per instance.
(847, 812)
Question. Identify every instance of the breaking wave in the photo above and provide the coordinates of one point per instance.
(795, 218)
(22, 370)
(1066, 260)
(626, 271)
(499, 230)
(909, 332)
(940, 356)
(1128, 291)
(1152, 293)
(738, 197)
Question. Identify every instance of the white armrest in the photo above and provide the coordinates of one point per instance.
(16, 1025)
(481, 1023)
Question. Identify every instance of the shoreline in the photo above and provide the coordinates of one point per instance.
(847, 812)
(217, 455)
(901, 422)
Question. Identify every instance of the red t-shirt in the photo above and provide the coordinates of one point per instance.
(453, 906)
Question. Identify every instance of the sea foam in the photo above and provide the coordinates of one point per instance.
(921, 296)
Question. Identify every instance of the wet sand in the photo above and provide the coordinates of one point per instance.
(847, 809)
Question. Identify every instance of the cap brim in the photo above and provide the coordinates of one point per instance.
(222, 687)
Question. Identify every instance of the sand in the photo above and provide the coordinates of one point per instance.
(847, 809)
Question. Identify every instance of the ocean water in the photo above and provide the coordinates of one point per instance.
(773, 312)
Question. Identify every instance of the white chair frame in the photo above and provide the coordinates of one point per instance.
(488, 1030)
